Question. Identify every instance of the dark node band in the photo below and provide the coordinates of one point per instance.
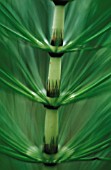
(50, 149)
(54, 90)
(60, 2)
(56, 55)
(54, 93)
(50, 164)
(51, 107)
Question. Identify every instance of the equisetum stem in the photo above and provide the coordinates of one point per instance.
(51, 131)
(54, 76)
(53, 85)
(58, 26)
(51, 118)
(58, 21)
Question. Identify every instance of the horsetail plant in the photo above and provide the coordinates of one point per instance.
(54, 78)
(55, 83)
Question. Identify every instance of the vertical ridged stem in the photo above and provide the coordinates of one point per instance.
(51, 131)
(58, 26)
(53, 85)
(54, 76)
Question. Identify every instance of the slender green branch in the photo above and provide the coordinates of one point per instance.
(51, 130)
(53, 85)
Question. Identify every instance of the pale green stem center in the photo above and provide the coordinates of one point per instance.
(51, 126)
(54, 75)
(58, 21)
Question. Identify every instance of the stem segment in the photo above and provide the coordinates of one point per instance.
(58, 26)
(53, 87)
(51, 131)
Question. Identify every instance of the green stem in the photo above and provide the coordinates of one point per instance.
(58, 22)
(51, 118)
(53, 86)
(58, 26)
(54, 76)
(51, 131)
